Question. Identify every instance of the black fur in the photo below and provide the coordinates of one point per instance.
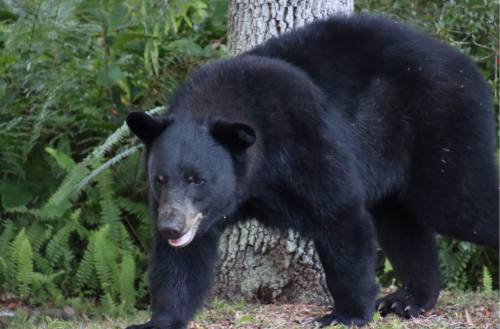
(348, 130)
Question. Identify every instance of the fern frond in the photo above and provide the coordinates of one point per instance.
(84, 270)
(6, 237)
(67, 259)
(126, 243)
(47, 281)
(37, 236)
(56, 245)
(69, 184)
(157, 110)
(127, 173)
(110, 212)
(3, 272)
(51, 212)
(455, 256)
(127, 277)
(15, 246)
(112, 140)
(487, 281)
(24, 268)
(105, 256)
(141, 210)
(42, 264)
(116, 137)
(117, 158)
(64, 161)
(142, 290)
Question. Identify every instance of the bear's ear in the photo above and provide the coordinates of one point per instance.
(146, 127)
(235, 136)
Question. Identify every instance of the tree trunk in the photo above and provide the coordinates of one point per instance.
(258, 264)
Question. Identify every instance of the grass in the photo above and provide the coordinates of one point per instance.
(454, 310)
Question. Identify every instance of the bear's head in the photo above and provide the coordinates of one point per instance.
(193, 169)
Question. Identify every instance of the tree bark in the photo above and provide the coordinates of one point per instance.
(258, 264)
(251, 22)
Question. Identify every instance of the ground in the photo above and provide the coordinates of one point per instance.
(454, 310)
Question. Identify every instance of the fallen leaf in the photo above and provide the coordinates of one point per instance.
(468, 318)
(7, 296)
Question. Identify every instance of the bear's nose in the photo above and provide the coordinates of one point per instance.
(171, 230)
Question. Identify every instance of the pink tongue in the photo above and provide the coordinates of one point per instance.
(182, 240)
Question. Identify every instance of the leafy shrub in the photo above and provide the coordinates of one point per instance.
(74, 221)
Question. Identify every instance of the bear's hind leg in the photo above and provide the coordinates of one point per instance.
(411, 248)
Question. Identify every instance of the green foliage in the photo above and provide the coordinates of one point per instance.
(454, 257)
(487, 281)
(22, 257)
(74, 219)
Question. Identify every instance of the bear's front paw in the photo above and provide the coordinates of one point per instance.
(335, 318)
(404, 303)
(143, 326)
(151, 326)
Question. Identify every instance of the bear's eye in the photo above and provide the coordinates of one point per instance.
(194, 180)
(159, 180)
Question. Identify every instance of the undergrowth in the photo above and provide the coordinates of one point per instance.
(74, 216)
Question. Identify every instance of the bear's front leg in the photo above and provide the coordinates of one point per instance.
(179, 280)
(348, 254)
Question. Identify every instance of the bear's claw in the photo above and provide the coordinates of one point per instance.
(334, 318)
(404, 305)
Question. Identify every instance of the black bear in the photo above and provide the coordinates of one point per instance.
(349, 130)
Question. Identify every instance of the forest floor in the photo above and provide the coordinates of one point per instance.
(454, 310)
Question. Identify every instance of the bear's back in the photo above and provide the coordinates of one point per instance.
(412, 105)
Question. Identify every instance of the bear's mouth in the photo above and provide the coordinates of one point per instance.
(187, 237)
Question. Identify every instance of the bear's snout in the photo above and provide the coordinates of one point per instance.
(171, 222)
(171, 229)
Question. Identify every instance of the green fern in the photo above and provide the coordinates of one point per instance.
(141, 210)
(83, 163)
(105, 255)
(64, 161)
(24, 267)
(127, 277)
(41, 281)
(455, 257)
(83, 274)
(110, 212)
(79, 176)
(487, 281)
(99, 249)
(57, 243)
(38, 234)
(142, 290)
(116, 159)
(6, 237)
(41, 263)
(66, 190)
(3, 273)
(15, 249)
(126, 243)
